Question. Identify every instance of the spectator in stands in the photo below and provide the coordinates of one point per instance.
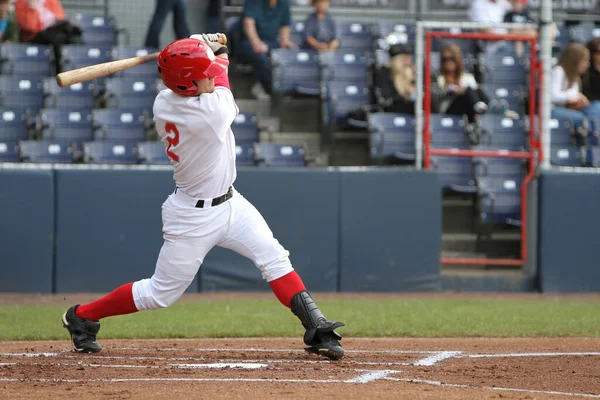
(567, 99)
(394, 84)
(591, 78)
(266, 25)
(163, 8)
(519, 15)
(489, 12)
(44, 22)
(319, 29)
(9, 29)
(455, 91)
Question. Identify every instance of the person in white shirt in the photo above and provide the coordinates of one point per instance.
(567, 99)
(193, 117)
(490, 12)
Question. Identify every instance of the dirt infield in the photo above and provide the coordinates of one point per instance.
(278, 368)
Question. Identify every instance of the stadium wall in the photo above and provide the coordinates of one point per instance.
(349, 229)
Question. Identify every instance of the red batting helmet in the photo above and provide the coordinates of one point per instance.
(188, 60)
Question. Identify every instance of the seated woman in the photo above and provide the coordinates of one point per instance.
(454, 91)
(567, 99)
(394, 83)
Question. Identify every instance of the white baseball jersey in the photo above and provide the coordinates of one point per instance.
(197, 135)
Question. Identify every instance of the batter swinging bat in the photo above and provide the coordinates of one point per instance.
(84, 74)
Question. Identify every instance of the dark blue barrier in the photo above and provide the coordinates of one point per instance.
(302, 208)
(26, 230)
(390, 230)
(569, 232)
(110, 228)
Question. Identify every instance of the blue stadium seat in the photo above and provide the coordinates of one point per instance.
(404, 31)
(14, 124)
(79, 95)
(9, 151)
(25, 59)
(245, 128)
(354, 36)
(89, 20)
(500, 132)
(562, 132)
(295, 71)
(46, 151)
(455, 173)
(152, 153)
(244, 154)
(448, 132)
(66, 125)
(567, 155)
(297, 32)
(113, 152)
(340, 98)
(504, 96)
(120, 125)
(594, 135)
(146, 70)
(562, 39)
(21, 92)
(584, 32)
(497, 167)
(342, 66)
(78, 55)
(131, 92)
(502, 68)
(500, 199)
(392, 136)
(593, 156)
(382, 58)
(279, 155)
(98, 30)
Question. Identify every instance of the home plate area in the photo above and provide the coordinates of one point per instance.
(279, 368)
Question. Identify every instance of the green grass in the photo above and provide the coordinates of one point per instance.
(389, 318)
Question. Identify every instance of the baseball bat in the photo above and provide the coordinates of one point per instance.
(91, 72)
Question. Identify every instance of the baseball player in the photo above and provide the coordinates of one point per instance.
(193, 118)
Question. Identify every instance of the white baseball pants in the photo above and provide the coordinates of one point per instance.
(190, 233)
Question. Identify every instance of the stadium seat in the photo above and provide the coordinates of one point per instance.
(448, 132)
(392, 136)
(66, 125)
(382, 58)
(21, 92)
(403, 32)
(504, 97)
(46, 151)
(455, 173)
(567, 155)
(500, 132)
(244, 154)
(562, 39)
(339, 99)
(78, 55)
(500, 199)
(152, 153)
(584, 32)
(25, 59)
(279, 155)
(113, 152)
(98, 30)
(354, 36)
(245, 128)
(131, 92)
(501, 68)
(497, 167)
(295, 71)
(120, 125)
(9, 151)
(342, 66)
(14, 124)
(146, 70)
(593, 156)
(562, 132)
(79, 95)
(594, 131)
(297, 32)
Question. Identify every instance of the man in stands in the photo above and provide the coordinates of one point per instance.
(266, 25)
(9, 29)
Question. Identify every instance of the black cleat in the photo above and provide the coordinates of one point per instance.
(83, 331)
(328, 345)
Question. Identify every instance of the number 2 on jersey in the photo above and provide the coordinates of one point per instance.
(173, 140)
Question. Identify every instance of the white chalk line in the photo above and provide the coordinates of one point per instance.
(455, 385)
(531, 355)
(370, 376)
(436, 358)
(263, 350)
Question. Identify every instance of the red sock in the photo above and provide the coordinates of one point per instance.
(117, 302)
(286, 287)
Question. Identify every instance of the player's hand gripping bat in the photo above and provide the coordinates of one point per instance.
(91, 72)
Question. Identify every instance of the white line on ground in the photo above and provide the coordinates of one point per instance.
(437, 383)
(175, 380)
(532, 355)
(370, 376)
(263, 350)
(219, 365)
(435, 358)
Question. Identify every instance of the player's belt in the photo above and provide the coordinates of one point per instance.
(217, 200)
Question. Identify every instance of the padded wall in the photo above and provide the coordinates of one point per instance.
(390, 230)
(569, 232)
(26, 230)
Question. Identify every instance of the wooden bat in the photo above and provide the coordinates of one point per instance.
(84, 74)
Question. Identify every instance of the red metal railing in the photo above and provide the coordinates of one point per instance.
(535, 146)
